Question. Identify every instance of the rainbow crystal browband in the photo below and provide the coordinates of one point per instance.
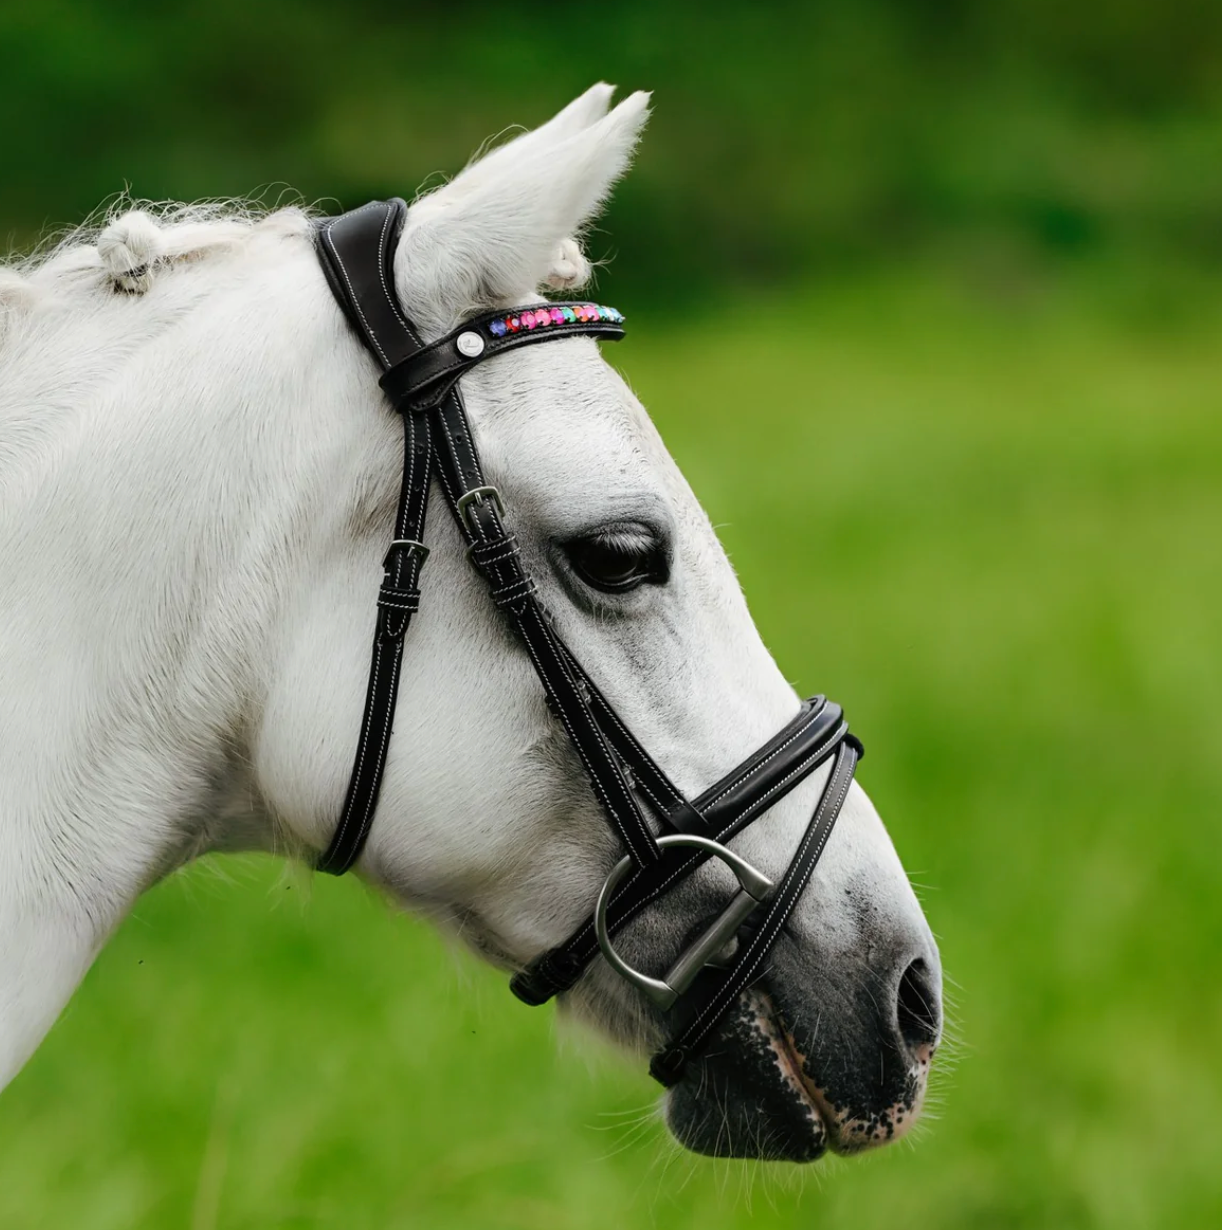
(541, 318)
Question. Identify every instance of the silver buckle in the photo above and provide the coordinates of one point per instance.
(754, 889)
(477, 495)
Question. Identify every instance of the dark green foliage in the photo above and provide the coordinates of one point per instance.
(788, 137)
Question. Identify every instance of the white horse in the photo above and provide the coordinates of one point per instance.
(199, 474)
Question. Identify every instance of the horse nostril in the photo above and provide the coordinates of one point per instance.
(917, 1011)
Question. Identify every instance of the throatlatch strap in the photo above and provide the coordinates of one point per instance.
(357, 254)
(398, 600)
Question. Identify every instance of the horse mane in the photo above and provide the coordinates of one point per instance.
(127, 245)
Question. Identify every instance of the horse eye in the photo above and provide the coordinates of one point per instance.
(619, 559)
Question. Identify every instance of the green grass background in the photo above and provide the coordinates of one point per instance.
(988, 524)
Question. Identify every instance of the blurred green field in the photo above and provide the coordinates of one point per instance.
(1013, 506)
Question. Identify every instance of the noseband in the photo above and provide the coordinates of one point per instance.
(422, 382)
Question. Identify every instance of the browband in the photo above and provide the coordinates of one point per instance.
(420, 381)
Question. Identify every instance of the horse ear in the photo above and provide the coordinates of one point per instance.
(583, 111)
(505, 225)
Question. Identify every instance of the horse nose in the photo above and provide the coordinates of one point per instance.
(918, 1011)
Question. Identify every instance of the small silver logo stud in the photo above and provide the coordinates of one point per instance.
(470, 344)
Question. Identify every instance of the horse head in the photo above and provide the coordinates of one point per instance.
(486, 820)
(239, 473)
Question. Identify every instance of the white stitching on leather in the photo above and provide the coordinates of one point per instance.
(619, 824)
(797, 734)
(804, 766)
(676, 797)
(507, 553)
(397, 651)
(410, 441)
(457, 459)
(346, 818)
(513, 591)
(393, 300)
(352, 296)
(628, 844)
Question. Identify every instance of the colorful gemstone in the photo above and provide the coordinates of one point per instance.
(537, 318)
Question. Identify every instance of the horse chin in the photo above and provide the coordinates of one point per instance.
(756, 1090)
(747, 1095)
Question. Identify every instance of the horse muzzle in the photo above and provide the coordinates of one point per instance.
(828, 1052)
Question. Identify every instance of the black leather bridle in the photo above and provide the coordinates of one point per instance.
(422, 382)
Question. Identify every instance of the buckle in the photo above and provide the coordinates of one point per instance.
(405, 544)
(754, 889)
(477, 495)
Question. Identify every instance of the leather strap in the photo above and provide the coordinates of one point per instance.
(357, 254)
(356, 251)
(398, 601)
(494, 552)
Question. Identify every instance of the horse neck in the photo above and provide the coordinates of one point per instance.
(158, 494)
